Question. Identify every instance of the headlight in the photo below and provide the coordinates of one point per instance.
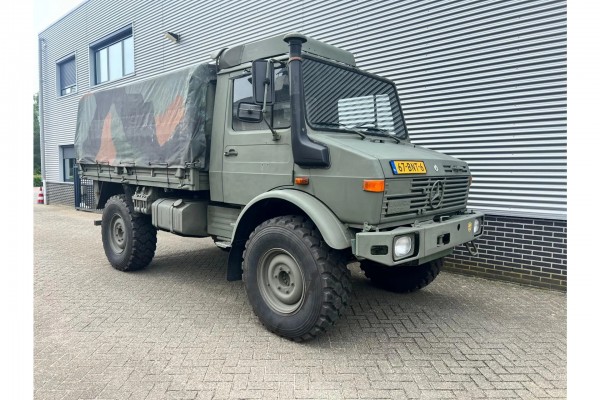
(476, 226)
(402, 246)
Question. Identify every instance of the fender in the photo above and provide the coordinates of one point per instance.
(334, 232)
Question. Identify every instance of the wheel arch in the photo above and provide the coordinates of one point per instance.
(105, 190)
(283, 202)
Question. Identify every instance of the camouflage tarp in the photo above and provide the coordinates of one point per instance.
(158, 121)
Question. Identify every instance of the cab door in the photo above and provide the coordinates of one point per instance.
(253, 162)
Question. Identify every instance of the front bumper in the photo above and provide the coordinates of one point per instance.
(431, 240)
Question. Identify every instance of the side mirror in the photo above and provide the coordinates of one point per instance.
(249, 112)
(263, 82)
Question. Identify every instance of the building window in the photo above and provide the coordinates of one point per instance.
(113, 57)
(68, 162)
(67, 81)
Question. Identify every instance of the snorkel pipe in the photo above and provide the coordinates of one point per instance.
(307, 154)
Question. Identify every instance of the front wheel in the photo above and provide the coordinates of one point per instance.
(129, 239)
(296, 284)
(402, 279)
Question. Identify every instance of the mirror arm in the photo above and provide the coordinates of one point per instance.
(276, 136)
(267, 83)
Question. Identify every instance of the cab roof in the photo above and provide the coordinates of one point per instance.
(275, 46)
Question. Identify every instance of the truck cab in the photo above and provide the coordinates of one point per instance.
(310, 168)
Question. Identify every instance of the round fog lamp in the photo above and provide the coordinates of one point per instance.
(402, 246)
(476, 225)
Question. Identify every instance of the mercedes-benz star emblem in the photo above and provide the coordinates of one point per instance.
(436, 194)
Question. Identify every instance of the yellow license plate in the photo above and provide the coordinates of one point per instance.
(408, 167)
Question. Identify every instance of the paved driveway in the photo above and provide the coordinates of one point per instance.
(179, 330)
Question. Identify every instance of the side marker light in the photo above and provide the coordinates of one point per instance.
(374, 185)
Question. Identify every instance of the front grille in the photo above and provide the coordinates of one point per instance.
(416, 203)
(455, 169)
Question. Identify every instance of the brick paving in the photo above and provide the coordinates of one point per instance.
(179, 330)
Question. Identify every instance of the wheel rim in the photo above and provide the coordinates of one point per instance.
(280, 281)
(117, 234)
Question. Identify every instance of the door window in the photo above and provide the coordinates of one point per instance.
(278, 114)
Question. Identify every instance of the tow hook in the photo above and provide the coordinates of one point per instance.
(472, 248)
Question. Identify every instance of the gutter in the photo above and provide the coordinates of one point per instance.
(41, 50)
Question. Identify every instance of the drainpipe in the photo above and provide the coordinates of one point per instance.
(307, 154)
(42, 50)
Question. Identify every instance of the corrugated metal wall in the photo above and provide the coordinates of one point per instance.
(484, 81)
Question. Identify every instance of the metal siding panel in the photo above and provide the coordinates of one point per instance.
(484, 81)
(72, 34)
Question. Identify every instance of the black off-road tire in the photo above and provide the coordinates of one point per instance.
(289, 250)
(402, 279)
(129, 239)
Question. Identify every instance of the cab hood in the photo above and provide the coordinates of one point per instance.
(387, 150)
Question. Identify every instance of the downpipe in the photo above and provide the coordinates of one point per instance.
(41, 53)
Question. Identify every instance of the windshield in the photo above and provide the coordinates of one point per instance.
(340, 98)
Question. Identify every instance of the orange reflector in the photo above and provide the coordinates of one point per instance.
(301, 180)
(374, 185)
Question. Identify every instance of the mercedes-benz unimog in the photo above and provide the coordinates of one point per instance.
(290, 158)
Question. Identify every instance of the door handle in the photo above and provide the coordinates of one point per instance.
(231, 152)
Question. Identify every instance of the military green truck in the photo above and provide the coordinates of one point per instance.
(290, 158)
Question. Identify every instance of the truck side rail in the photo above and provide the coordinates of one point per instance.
(157, 175)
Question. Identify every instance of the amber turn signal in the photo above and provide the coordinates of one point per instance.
(301, 180)
(374, 185)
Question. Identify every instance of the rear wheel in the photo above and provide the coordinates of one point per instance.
(296, 284)
(129, 239)
(402, 279)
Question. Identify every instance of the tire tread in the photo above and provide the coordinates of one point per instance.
(402, 279)
(143, 236)
(335, 275)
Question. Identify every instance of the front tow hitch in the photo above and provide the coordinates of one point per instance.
(472, 248)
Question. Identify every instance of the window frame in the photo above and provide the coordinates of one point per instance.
(59, 63)
(67, 175)
(269, 107)
(119, 36)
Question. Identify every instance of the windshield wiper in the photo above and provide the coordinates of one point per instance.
(346, 128)
(372, 129)
(369, 129)
(383, 132)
